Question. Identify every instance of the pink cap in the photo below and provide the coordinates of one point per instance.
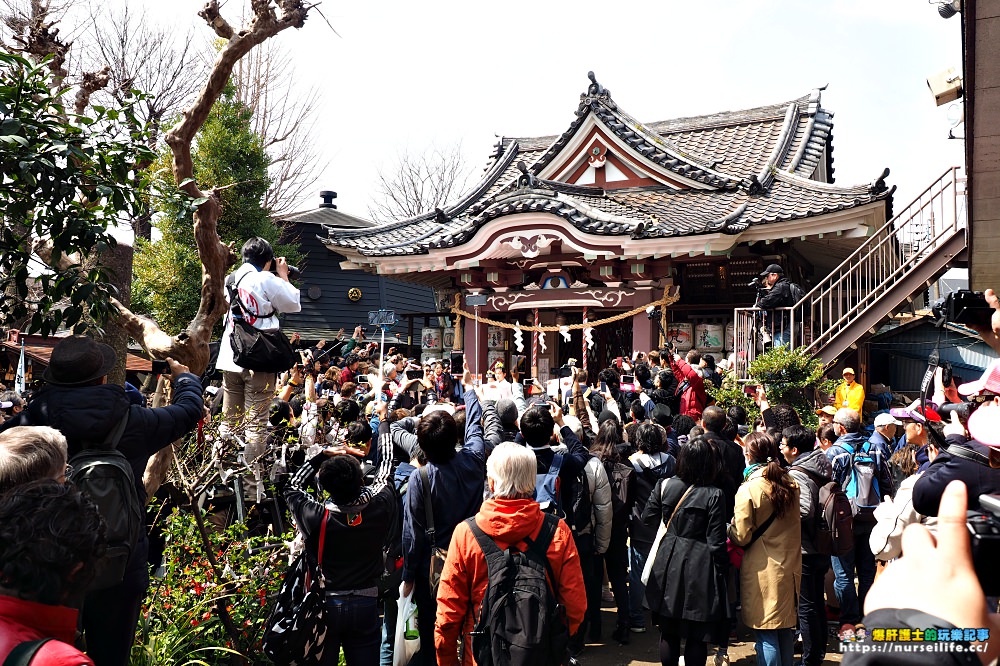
(989, 382)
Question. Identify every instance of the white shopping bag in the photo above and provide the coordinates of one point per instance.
(407, 641)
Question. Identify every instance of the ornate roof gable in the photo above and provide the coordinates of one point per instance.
(605, 146)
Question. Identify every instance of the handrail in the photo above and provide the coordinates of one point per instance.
(859, 282)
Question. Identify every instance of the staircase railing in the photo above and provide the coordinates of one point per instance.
(862, 280)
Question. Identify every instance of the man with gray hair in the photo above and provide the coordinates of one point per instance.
(30, 453)
(512, 520)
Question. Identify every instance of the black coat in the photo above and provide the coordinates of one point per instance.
(979, 479)
(733, 464)
(688, 577)
(88, 413)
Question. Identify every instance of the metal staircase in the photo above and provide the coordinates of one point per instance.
(902, 258)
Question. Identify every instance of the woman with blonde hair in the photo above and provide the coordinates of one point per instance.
(766, 524)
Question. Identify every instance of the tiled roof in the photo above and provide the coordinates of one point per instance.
(328, 216)
(754, 167)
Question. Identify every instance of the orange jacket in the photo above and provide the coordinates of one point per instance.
(464, 579)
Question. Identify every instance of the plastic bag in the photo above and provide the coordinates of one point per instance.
(407, 641)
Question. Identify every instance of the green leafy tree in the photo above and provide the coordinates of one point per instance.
(67, 178)
(788, 377)
(167, 282)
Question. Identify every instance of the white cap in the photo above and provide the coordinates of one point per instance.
(885, 419)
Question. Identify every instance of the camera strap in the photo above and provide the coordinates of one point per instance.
(933, 359)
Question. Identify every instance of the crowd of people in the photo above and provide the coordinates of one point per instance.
(506, 515)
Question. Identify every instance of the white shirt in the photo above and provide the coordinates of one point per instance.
(261, 292)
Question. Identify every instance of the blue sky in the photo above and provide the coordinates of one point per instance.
(405, 76)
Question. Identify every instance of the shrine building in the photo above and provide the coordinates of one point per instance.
(604, 217)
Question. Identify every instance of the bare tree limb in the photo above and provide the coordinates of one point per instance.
(191, 345)
(419, 184)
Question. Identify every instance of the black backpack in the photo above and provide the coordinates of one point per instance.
(520, 622)
(833, 517)
(102, 473)
(620, 477)
(23, 653)
(797, 293)
(580, 515)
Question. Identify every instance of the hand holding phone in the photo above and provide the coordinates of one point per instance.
(160, 367)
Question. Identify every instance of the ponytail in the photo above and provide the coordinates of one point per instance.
(761, 448)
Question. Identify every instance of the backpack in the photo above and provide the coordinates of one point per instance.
(797, 293)
(24, 653)
(547, 488)
(392, 549)
(620, 478)
(102, 473)
(580, 516)
(862, 487)
(833, 517)
(520, 621)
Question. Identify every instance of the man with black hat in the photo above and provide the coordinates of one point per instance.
(776, 292)
(78, 401)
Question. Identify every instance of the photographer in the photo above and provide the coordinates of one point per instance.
(964, 458)
(954, 600)
(264, 294)
(775, 292)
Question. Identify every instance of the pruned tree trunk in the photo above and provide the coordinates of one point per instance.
(190, 346)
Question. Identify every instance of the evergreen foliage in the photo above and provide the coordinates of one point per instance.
(230, 156)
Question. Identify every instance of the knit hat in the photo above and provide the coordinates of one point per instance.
(507, 411)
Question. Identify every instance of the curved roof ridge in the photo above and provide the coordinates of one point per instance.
(726, 118)
(802, 181)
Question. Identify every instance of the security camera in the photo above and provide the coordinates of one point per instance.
(948, 9)
(946, 86)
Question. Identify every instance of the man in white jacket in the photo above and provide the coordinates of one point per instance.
(264, 294)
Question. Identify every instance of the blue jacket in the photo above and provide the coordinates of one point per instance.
(840, 455)
(456, 493)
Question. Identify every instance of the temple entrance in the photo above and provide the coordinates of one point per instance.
(610, 341)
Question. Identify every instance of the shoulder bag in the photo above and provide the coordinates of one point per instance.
(661, 531)
(261, 350)
(296, 629)
(438, 555)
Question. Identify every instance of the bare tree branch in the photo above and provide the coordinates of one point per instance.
(285, 119)
(419, 184)
(191, 345)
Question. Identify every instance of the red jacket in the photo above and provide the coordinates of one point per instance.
(694, 399)
(464, 579)
(22, 620)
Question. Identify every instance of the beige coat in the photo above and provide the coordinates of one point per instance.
(772, 566)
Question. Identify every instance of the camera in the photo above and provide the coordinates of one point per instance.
(984, 537)
(963, 307)
(756, 284)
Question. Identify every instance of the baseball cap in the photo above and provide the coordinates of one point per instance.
(984, 425)
(773, 268)
(848, 371)
(884, 419)
(829, 409)
(989, 382)
(914, 412)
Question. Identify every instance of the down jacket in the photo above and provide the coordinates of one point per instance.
(600, 501)
(465, 575)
